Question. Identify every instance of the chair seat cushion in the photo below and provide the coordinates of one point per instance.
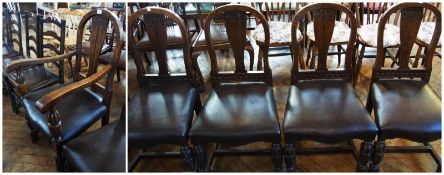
(78, 111)
(36, 77)
(326, 111)
(341, 32)
(102, 150)
(108, 56)
(161, 114)
(369, 35)
(280, 32)
(174, 38)
(237, 114)
(218, 34)
(407, 109)
(425, 32)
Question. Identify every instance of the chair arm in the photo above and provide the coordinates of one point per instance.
(49, 100)
(33, 61)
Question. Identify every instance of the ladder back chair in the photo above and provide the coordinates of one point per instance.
(63, 112)
(14, 23)
(403, 103)
(240, 100)
(322, 104)
(163, 107)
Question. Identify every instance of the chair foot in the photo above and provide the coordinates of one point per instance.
(187, 154)
(438, 169)
(365, 154)
(201, 159)
(290, 158)
(377, 155)
(276, 153)
(32, 131)
(14, 103)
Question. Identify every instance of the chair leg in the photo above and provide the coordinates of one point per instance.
(339, 55)
(14, 103)
(259, 59)
(60, 160)
(276, 154)
(310, 45)
(369, 104)
(417, 56)
(197, 106)
(290, 158)
(365, 154)
(251, 53)
(32, 131)
(313, 56)
(187, 154)
(359, 63)
(377, 155)
(118, 75)
(201, 159)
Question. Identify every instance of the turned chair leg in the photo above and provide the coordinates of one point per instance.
(377, 155)
(32, 131)
(417, 56)
(60, 160)
(365, 154)
(251, 53)
(339, 55)
(290, 158)
(187, 154)
(276, 154)
(201, 158)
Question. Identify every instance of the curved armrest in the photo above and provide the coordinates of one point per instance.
(33, 61)
(49, 100)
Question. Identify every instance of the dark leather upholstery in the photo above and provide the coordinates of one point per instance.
(36, 77)
(326, 111)
(407, 109)
(78, 111)
(174, 37)
(237, 114)
(161, 114)
(102, 150)
(107, 57)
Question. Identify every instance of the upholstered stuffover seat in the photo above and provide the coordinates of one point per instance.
(74, 117)
(236, 114)
(174, 37)
(425, 32)
(218, 35)
(36, 77)
(407, 109)
(280, 32)
(326, 111)
(341, 32)
(368, 34)
(161, 114)
(102, 150)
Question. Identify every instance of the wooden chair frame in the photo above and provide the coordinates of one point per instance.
(411, 16)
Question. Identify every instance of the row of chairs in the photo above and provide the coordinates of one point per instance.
(322, 104)
(62, 112)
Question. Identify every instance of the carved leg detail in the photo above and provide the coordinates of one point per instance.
(276, 153)
(187, 154)
(201, 159)
(290, 158)
(365, 154)
(378, 154)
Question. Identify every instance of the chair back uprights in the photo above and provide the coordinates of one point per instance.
(15, 28)
(411, 16)
(156, 20)
(324, 17)
(235, 18)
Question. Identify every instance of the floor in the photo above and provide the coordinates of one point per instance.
(21, 155)
(281, 67)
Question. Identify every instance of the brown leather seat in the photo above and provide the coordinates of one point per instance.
(108, 56)
(102, 150)
(407, 109)
(236, 114)
(161, 114)
(218, 35)
(78, 111)
(326, 111)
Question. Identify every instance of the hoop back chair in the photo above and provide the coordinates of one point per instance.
(403, 103)
(55, 111)
(322, 105)
(218, 121)
(164, 106)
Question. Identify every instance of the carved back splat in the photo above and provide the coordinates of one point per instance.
(324, 16)
(234, 17)
(156, 20)
(411, 16)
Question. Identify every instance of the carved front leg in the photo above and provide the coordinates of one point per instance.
(201, 158)
(365, 154)
(378, 154)
(187, 154)
(55, 128)
(290, 158)
(276, 154)
(32, 130)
